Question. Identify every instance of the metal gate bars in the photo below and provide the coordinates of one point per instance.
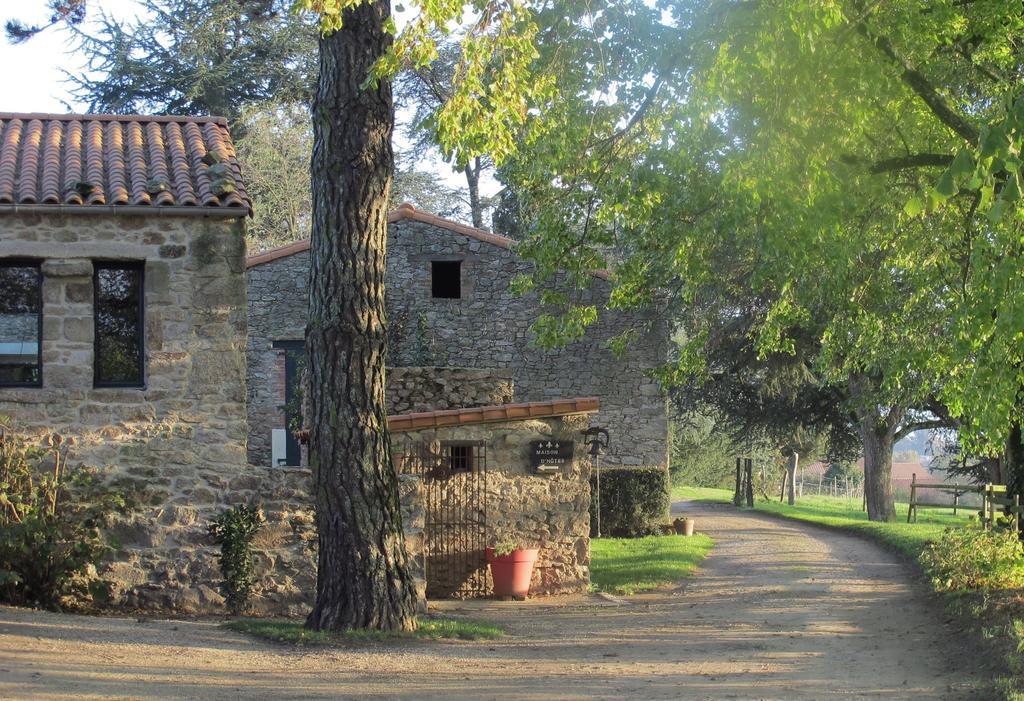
(454, 475)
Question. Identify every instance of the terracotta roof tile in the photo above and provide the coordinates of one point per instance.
(492, 414)
(87, 160)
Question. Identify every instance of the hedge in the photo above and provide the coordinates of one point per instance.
(634, 500)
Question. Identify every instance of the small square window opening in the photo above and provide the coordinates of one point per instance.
(461, 457)
(446, 279)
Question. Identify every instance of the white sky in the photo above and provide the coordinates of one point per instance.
(32, 79)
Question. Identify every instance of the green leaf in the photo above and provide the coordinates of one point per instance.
(995, 213)
(962, 165)
(946, 186)
(913, 207)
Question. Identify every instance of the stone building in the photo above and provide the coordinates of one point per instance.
(122, 327)
(450, 306)
(506, 473)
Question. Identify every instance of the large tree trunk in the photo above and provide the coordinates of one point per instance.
(878, 440)
(363, 580)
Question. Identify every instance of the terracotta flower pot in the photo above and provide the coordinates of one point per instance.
(684, 526)
(512, 573)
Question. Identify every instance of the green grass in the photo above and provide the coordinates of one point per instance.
(630, 565)
(683, 493)
(429, 628)
(908, 539)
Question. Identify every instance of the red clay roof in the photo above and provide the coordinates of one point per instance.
(493, 414)
(69, 160)
(404, 211)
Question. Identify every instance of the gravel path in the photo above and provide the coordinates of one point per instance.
(780, 610)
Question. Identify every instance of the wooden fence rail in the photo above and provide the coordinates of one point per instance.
(992, 495)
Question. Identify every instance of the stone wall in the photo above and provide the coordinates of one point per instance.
(488, 328)
(277, 298)
(548, 511)
(180, 439)
(411, 389)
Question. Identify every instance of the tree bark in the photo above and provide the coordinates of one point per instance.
(472, 171)
(363, 580)
(878, 440)
(748, 472)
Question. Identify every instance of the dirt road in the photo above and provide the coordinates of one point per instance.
(779, 611)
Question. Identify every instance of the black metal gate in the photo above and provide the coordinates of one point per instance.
(454, 476)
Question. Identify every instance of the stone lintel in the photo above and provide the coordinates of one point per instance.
(67, 267)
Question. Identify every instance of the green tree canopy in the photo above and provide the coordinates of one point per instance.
(198, 57)
(830, 171)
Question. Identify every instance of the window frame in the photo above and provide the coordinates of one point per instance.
(38, 265)
(97, 266)
(471, 465)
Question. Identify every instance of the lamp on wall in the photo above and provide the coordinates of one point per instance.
(597, 438)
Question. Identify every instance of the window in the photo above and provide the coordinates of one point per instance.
(118, 312)
(21, 324)
(446, 279)
(461, 457)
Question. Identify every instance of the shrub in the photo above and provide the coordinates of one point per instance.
(51, 523)
(234, 530)
(970, 559)
(633, 501)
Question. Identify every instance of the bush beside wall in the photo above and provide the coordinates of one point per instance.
(634, 500)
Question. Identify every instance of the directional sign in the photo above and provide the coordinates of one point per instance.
(550, 454)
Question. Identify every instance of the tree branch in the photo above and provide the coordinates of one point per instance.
(920, 84)
(916, 160)
(909, 428)
(652, 92)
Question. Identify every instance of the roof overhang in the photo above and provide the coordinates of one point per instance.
(404, 212)
(126, 210)
(492, 414)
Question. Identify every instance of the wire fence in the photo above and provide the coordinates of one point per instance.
(852, 489)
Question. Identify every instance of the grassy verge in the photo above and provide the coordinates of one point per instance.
(905, 538)
(429, 628)
(631, 565)
(908, 539)
(683, 493)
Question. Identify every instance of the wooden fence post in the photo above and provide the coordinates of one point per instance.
(749, 470)
(737, 497)
(794, 461)
(913, 496)
(1016, 514)
(987, 507)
